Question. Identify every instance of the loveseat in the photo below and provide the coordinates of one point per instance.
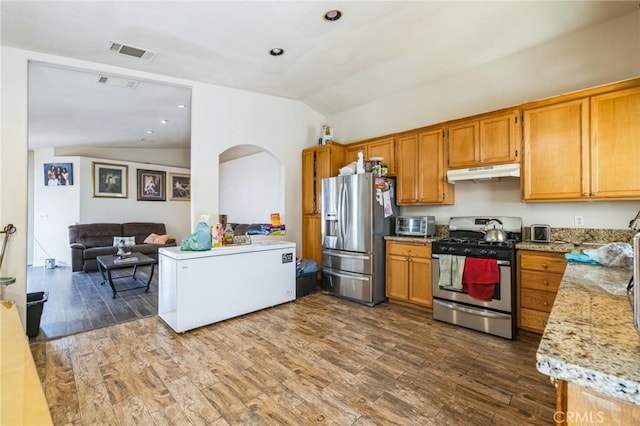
(90, 240)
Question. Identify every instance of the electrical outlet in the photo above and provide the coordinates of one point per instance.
(578, 220)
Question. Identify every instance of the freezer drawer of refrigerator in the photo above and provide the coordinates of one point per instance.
(359, 263)
(344, 284)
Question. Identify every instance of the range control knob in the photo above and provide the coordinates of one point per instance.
(467, 251)
(483, 252)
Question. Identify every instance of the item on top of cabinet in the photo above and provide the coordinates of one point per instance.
(619, 255)
(327, 134)
(200, 240)
(360, 163)
(540, 233)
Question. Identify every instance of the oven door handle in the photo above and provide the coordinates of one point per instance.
(500, 262)
(480, 312)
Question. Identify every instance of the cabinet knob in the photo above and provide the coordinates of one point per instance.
(545, 303)
(545, 282)
(545, 266)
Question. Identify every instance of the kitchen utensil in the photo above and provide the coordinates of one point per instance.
(493, 234)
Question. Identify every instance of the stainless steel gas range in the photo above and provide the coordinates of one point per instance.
(474, 280)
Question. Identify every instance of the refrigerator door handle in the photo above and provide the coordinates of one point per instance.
(342, 208)
(342, 275)
(346, 256)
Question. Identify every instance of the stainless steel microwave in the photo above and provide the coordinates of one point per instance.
(415, 226)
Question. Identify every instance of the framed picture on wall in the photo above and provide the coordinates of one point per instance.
(151, 185)
(58, 174)
(110, 180)
(179, 187)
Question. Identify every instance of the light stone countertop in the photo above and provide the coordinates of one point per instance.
(589, 339)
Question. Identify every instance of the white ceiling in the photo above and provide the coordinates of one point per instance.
(377, 49)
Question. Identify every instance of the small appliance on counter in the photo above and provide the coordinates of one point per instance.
(415, 226)
(541, 233)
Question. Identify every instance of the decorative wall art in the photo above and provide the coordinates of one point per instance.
(180, 187)
(110, 180)
(151, 185)
(58, 174)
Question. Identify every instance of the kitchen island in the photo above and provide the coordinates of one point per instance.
(591, 349)
(197, 288)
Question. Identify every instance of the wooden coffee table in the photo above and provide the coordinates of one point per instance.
(108, 263)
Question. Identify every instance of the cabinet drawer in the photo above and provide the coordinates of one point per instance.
(543, 262)
(409, 250)
(540, 280)
(539, 300)
(533, 320)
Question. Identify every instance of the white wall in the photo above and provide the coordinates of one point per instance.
(261, 193)
(221, 118)
(598, 55)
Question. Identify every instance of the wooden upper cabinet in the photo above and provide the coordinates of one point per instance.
(318, 163)
(421, 176)
(615, 145)
(407, 176)
(583, 149)
(382, 147)
(482, 142)
(556, 157)
(308, 181)
(385, 148)
(433, 187)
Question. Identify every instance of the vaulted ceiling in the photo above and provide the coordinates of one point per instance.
(376, 49)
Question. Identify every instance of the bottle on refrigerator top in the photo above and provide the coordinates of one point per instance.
(228, 234)
(217, 235)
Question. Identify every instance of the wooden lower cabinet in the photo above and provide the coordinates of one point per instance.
(539, 276)
(577, 405)
(408, 275)
(312, 238)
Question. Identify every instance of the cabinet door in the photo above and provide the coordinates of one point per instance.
(420, 281)
(432, 185)
(615, 145)
(312, 238)
(308, 182)
(556, 157)
(463, 145)
(407, 176)
(351, 152)
(499, 139)
(397, 277)
(384, 148)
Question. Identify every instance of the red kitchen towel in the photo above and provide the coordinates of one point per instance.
(480, 277)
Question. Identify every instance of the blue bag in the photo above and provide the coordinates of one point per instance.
(199, 240)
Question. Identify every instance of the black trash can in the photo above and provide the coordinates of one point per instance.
(35, 304)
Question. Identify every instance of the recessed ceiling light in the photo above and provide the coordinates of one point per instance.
(149, 131)
(164, 121)
(332, 15)
(276, 51)
(181, 106)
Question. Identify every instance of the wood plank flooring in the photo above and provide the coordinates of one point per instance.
(317, 360)
(78, 302)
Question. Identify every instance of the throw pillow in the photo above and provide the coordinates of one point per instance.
(151, 238)
(162, 239)
(128, 241)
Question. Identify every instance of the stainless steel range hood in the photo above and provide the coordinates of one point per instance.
(484, 173)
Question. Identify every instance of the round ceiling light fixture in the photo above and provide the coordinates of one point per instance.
(276, 51)
(332, 15)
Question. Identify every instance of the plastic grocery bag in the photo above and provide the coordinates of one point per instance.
(619, 255)
(199, 240)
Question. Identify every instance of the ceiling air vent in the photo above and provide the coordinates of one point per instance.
(135, 52)
(116, 81)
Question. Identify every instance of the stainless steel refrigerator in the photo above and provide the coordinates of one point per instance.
(357, 213)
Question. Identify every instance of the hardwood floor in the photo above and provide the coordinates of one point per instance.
(319, 359)
(78, 302)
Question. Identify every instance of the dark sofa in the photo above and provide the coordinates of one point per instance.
(90, 240)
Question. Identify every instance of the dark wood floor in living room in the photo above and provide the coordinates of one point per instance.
(319, 359)
(77, 301)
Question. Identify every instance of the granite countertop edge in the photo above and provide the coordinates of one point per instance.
(590, 339)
